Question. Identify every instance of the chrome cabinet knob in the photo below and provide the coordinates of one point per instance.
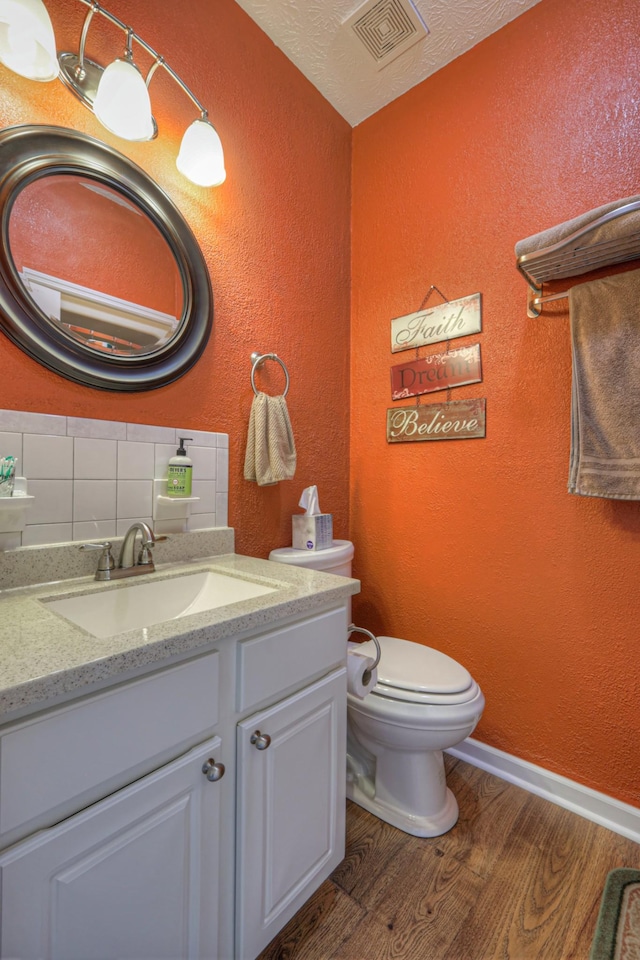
(260, 740)
(213, 771)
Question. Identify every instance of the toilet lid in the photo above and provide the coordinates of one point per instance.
(409, 666)
(340, 552)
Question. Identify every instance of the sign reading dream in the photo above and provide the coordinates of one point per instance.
(437, 372)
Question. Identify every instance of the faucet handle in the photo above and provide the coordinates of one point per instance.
(145, 557)
(106, 563)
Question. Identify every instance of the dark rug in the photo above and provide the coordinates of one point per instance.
(618, 930)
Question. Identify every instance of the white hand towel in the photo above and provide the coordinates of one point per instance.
(271, 449)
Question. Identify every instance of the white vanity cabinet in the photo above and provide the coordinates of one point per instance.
(290, 808)
(134, 876)
(151, 822)
(291, 773)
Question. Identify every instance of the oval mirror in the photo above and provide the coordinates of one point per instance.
(101, 278)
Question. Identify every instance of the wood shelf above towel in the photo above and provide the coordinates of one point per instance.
(610, 238)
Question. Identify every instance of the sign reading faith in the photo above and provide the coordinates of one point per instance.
(437, 372)
(457, 420)
(456, 318)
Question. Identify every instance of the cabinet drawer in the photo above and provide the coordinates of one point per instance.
(280, 660)
(46, 763)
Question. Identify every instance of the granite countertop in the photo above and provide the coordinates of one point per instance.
(45, 658)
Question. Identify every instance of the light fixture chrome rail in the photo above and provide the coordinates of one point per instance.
(118, 95)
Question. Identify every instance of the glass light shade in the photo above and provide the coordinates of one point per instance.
(122, 103)
(27, 43)
(201, 158)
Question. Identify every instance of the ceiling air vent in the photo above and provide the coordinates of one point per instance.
(387, 28)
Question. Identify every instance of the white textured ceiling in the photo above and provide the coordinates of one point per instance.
(311, 34)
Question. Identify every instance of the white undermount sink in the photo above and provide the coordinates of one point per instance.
(120, 608)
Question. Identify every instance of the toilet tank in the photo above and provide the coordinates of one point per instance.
(336, 559)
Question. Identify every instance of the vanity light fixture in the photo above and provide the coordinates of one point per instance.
(27, 44)
(201, 159)
(122, 102)
(117, 95)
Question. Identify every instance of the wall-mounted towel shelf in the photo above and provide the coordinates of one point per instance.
(609, 238)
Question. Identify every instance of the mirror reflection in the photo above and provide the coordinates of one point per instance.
(101, 278)
(96, 265)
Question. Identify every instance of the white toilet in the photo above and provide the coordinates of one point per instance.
(423, 703)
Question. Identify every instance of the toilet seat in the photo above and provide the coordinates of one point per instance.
(414, 673)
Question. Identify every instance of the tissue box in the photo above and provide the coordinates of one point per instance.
(312, 533)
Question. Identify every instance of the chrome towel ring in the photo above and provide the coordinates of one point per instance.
(257, 359)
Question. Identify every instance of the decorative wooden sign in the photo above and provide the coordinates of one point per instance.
(456, 318)
(437, 372)
(457, 420)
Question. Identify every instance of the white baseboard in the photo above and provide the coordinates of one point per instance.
(620, 817)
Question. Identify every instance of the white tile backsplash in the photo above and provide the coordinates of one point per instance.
(96, 429)
(204, 460)
(199, 437)
(222, 509)
(222, 470)
(11, 445)
(94, 530)
(94, 500)
(149, 434)
(163, 453)
(123, 525)
(92, 478)
(47, 458)
(136, 460)
(94, 459)
(135, 499)
(53, 501)
(37, 534)
(22, 422)
(202, 521)
(206, 490)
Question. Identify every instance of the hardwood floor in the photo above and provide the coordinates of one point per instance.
(518, 878)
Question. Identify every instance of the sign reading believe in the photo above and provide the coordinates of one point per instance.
(456, 318)
(457, 420)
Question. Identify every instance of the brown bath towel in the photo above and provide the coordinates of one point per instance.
(605, 401)
(617, 229)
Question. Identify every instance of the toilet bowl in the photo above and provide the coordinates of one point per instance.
(423, 703)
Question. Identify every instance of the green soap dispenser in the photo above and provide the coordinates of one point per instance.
(180, 472)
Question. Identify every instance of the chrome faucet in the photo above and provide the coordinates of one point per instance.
(127, 560)
(128, 564)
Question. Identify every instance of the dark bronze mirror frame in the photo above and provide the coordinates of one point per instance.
(30, 152)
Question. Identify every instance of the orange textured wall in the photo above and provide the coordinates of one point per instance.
(475, 546)
(275, 237)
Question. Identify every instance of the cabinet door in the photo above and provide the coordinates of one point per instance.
(134, 877)
(290, 807)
